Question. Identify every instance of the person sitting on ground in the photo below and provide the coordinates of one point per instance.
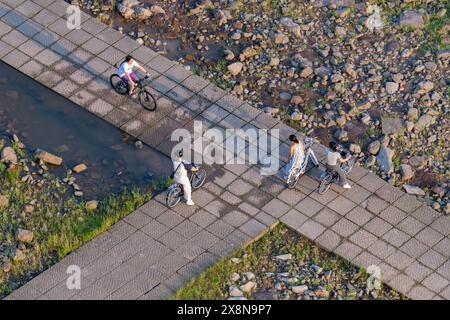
(126, 72)
(296, 155)
(180, 176)
(334, 160)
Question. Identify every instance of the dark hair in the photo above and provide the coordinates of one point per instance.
(128, 58)
(333, 146)
(293, 138)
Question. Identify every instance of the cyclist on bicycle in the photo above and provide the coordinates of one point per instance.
(296, 155)
(180, 176)
(334, 161)
(126, 73)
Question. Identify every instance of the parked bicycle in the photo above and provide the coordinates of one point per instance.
(146, 99)
(175, 191)
(295, 173)
(328, 178)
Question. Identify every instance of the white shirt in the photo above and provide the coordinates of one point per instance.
(181, 175)
(126, 68)
(333, 157)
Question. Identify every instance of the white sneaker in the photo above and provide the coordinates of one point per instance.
(347, 186)
(190, 203)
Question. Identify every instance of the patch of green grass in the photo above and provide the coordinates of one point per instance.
(60, 222)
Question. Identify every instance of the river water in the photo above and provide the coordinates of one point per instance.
(43, 119)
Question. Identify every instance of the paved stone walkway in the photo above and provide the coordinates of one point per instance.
(155, 251)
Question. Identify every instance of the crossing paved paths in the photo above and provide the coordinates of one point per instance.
(155, 251)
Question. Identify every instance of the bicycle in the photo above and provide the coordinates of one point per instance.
(175, 191)
(295, 173)
(146, 99)
(328, 178)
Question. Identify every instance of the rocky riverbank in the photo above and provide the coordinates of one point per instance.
(374, 78)
(283, 266)
(41, 216)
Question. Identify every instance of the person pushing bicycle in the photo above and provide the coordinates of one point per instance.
(126, 72)
(334, 161)
(180, 176)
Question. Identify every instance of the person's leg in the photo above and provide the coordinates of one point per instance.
(188, 193)
(287, 170)
(313, 157)
(134, 77)
(342, 177)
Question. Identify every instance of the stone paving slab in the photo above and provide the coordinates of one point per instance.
(155, 251)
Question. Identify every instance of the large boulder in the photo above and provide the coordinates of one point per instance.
(384, 160)
(412, 19)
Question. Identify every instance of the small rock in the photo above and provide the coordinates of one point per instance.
(296, 100)
(4, 201)
(235, 292)
(235, 68)
(9, 155)
(249, 275)
(23, 235)
(300, 289)
(48, 157)
(19, 255)
(374, 147)
(410, 189)
(248, 287)
(236, 260)
(284, 257)
(406, 172)
(424, 87)
(306, 72)
(235, 277)
(354, 148)
(92, 205)
(79, 168)
(392, 87)
(411, 18)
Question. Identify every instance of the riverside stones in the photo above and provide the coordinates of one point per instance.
(391, 125)
(92, 205)
(23, 235)
(8, 155)
(4, 201)
(406, 172)
(235, 68)
(424, 87)
(392, 87)
(414, 190)
(48, 157)
(79, 168)
(412, 19)
(384, 160)
(424, 122)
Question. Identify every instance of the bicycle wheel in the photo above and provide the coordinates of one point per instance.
(120, 86)
(198, 178)
(173, 197)
(325, 183)
(147, 100)
(293, 178)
